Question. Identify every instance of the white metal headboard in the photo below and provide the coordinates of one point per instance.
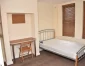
(46, 34)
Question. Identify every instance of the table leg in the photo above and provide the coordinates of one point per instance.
(13, 54)
(35, 47)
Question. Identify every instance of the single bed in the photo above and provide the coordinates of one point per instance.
(69, 49)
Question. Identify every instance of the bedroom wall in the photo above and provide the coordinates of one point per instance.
(59, 18)
(17, 6)
(78, 21)
(1, 36)
(22, 30)
(45, 13)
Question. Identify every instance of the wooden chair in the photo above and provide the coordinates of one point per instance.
(25, 47)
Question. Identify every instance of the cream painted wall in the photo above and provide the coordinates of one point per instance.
(55, 19)
(59, 18)
(78, 21)
(18, 31)
(17, 6)
(45, 12)
(50, 16)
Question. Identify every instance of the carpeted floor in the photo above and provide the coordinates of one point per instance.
(47, 59)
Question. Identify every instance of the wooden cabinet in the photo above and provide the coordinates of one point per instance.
(68, 19)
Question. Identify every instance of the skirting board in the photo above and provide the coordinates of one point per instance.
(37, 54)
(9, 62)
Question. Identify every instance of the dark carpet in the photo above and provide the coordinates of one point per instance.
(47, 59)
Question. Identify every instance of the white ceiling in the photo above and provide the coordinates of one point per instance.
(55, 1)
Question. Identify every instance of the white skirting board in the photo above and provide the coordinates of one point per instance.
(1, 56)
(9, 62)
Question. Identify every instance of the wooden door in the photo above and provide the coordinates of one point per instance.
(68, 19)
(83, 35)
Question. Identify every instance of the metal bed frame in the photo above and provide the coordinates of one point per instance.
(48, 34)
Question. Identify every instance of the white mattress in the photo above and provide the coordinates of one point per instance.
(62, 47)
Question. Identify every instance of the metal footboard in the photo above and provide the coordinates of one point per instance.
(81, 52)
(79, 55)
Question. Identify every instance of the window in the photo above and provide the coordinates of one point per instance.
(68, 19)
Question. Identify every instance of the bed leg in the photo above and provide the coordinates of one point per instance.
(76, 61)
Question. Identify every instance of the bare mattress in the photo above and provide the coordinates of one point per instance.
(62, 47)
